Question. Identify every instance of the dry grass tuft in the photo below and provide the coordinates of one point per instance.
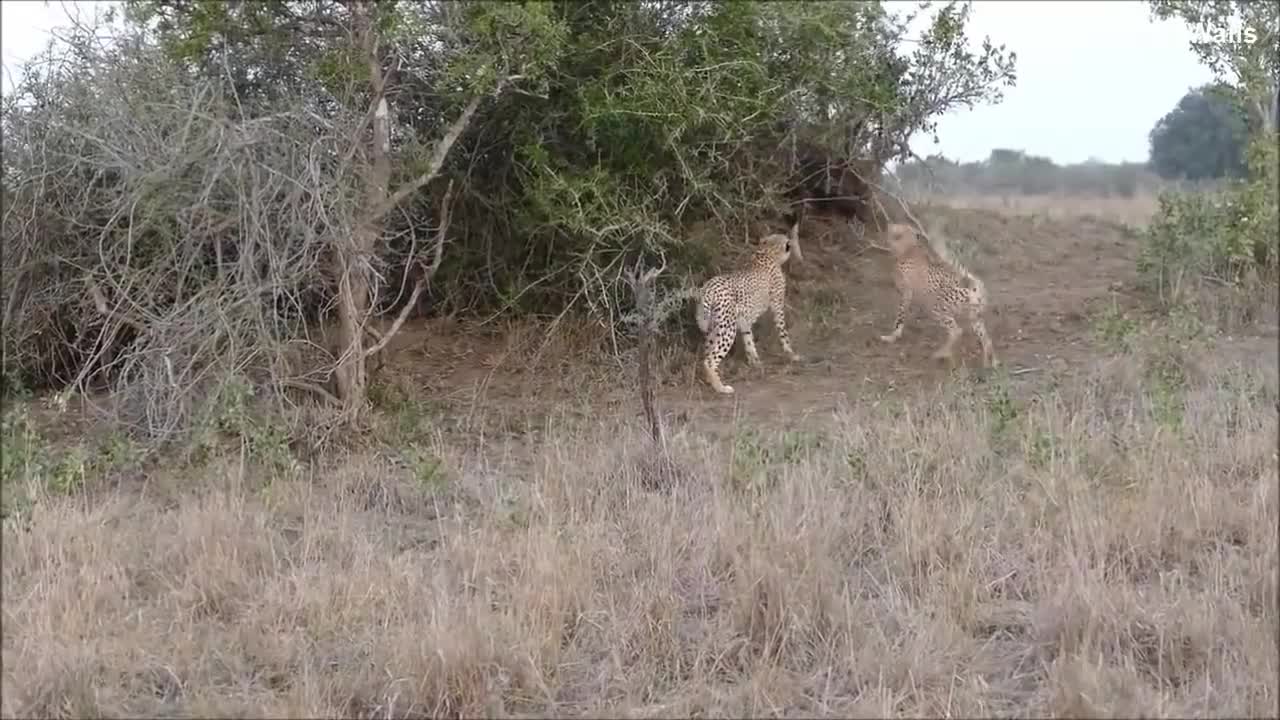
(1087, 545)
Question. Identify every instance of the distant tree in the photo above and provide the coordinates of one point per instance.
(1004, 156)
(1202, 137)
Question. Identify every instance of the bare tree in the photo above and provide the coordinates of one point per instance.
(641, 282)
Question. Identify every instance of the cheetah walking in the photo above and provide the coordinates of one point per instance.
(944, 286)
(731, 303)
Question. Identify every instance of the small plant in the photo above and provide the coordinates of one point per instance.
(750, 460)
(1001, 406)
(412, 418)
(68, 474)
(1114, 328)
(754, 459)
(12, 388)
(22, 457)
(428, 469)
(1166, 387)
(1184, 323)
(116, 450)
(796, 443)
(231, 416)
(857, 462)
(1042, 448)
(269, 445)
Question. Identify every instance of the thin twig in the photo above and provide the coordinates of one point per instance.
(429, 271)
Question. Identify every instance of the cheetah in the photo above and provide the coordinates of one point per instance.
(945, 286)
(732, 303)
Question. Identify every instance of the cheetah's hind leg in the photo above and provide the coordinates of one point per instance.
(980, 329)
(719, 341)
(946, 351)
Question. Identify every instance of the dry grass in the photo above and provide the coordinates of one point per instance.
(1096, 544)
(1134, 211)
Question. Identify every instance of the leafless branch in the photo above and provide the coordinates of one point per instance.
(441, 151)
(428, 271)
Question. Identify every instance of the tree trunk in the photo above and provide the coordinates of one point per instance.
(354, 286)
(353, 310)
(642, 283)
(648, 398)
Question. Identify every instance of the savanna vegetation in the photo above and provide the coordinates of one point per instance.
(324, 324)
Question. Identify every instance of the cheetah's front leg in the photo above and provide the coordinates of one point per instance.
(903, 306)
(777, 301)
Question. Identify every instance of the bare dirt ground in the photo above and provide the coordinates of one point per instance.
(1091, 533)
(1047, 277)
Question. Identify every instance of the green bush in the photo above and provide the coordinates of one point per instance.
(1226, 235)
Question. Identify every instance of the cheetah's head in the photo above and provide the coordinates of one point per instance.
(781, 247)
(901, 237)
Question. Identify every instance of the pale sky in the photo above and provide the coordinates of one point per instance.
(1093, 77)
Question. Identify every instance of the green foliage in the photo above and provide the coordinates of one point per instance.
(1186, 233)
(1202, 137)
(22, 453)
(498, 39)
(1165, 385)
(1002, 408)
(756, 461)
(412, 417)
(429, 471)
(231, 416)
(1042, 448)
(1225, 235)
(654, 121)
(33, 465)
(1231, 235)
(1115, 328)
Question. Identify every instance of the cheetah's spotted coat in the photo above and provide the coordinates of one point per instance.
(731, 303)
(947, 289)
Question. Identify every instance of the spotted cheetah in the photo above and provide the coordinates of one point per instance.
(731, 303)
(943, 285)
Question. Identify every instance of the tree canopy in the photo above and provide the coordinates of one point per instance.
(1202, 137)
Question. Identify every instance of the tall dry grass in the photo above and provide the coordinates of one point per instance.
(1096, 544)
(1135, 211)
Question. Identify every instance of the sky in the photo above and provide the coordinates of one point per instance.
(1093, 77)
